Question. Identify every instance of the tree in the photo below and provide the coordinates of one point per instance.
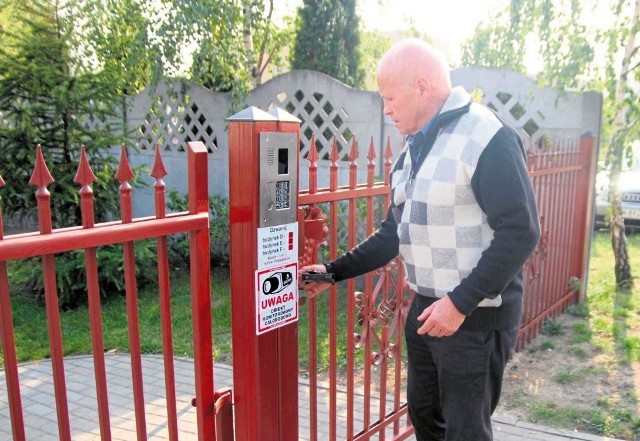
(570, 62)
(235, 42)
(48, 98)
(373, 45)
(270, 39)
(117, 41)
(327, 40)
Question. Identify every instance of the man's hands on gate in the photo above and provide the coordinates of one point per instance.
(441, 319)
(313, 288)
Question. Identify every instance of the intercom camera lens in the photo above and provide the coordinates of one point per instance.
(271, 285)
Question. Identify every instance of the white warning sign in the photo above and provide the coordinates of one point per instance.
(277, 297)
(277, 245)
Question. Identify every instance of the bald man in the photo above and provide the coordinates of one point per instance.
(463, 219)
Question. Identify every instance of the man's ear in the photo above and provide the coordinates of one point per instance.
(424, 87)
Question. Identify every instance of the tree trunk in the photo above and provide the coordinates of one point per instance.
(248, 40)
(624, 279)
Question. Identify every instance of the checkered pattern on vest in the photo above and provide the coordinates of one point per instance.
(442, 229)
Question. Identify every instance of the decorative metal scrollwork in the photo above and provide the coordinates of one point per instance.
(382, 321)
(315, 234)
(533, 266)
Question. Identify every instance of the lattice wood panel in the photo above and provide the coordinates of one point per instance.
(318, 115)
(174, 120)
(520, 113)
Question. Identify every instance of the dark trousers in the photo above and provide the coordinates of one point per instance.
(454, 382)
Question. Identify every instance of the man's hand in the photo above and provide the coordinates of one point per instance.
(441, 319)
(313, 288)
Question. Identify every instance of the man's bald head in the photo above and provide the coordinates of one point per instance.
(411, 59)
(417, 75)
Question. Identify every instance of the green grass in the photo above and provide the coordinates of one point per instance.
(31, 334)
(552, 327)
(614, 318)
(547, 345)
(609, 325)
(571, 376)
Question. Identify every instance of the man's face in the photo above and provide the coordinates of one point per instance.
(402, 104)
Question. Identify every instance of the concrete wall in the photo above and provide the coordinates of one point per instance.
(173, 114)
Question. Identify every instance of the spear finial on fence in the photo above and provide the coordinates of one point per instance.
(124, 175)
(85, 177)
(333, 168)
(158, 172)
(312, 157)
(353, 165)
(371, 154)
(353, 151)
(41, 178)
(388, 154)
(334, 152)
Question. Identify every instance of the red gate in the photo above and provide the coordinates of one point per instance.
(366, 397)
(210, 407)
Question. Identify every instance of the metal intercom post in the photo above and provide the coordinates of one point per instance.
(278, 178)
(263, 198)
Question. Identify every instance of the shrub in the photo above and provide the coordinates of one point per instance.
(552, 327)
(71, 277)
(219, 230)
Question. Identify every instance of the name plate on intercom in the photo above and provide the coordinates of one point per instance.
(278, 178)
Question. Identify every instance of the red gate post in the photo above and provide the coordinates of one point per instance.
(586, 191)
(265, 374)
(199, 243)
(288, 335)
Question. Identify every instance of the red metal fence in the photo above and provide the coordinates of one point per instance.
(48, 242)
(365, 373)
(364, 369)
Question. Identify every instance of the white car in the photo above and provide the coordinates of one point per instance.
(629, 185)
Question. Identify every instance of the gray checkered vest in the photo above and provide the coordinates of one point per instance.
(442, 229)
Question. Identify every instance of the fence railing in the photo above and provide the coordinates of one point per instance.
(366, 377)
(89, 237)
(374, 315)
(556, 273)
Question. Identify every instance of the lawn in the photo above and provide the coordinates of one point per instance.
(583, 372)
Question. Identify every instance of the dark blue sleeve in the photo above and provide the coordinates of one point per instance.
(374, 252)
(503, 189)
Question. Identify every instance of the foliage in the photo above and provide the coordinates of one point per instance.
(119, 43)
(373, 45)
(264, 40)
(218, 227)
(47, 97)
(492, 45)
(71, 274)
(507, 39)
(327, 40)
(571, 62)
(235, 41)
(552, 327)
